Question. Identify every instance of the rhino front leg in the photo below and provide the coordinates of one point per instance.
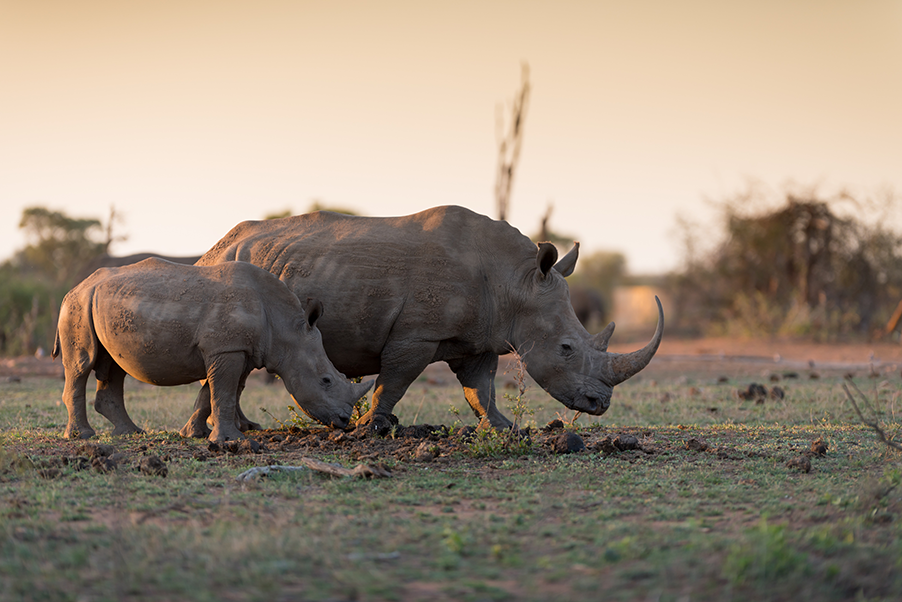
(401, 365)
(477, 376)
(109, 400)
(225, 375)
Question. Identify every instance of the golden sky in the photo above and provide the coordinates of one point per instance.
(192, 116)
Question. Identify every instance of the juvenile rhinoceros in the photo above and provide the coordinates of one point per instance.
(170, 324)
(446, 284)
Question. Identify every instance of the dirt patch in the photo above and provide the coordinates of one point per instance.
(412, 445)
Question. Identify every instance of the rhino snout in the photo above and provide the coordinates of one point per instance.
(341, 420)
(590, 404)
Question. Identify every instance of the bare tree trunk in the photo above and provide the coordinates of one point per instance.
(509, 145)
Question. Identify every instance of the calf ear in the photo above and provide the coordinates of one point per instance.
(568, 262)
(313, 309)
(546, 255)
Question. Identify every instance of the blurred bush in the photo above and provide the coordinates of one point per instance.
(793, 264)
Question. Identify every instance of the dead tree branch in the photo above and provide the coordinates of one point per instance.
(509, 144)
(872, 424)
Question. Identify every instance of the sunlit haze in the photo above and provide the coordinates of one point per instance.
(189, 117)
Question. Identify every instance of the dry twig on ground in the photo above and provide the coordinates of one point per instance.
(873, 424)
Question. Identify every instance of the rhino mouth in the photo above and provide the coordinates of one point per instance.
(335, 421)
(339, 422)
(589, 404)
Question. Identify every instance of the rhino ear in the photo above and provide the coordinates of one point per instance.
(314, 309)
(545, 258)
(568, 262)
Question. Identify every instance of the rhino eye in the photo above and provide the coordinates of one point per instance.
(327, 381)
(566, 350)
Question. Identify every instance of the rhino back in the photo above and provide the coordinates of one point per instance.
(433, 275)
(161, 322)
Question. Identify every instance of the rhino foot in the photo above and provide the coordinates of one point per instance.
(127, 430)
(195, 427)
(378, 424)
(226, 434)
(75, 433)
(246, 424)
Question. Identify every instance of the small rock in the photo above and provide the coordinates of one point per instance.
(250, 446)
(754, 392)
(49, 473)
(625, 442)
(606, 445)
(14, 379)
(553, 425)
(695, 391)
(339, 437)
(814, 376)
(801, 463)
(819, 447)
(790, 375)
(76, 462)
(774, 378)
(696, 444)
(567, 443)
(103, 464)
(777, 393)
(425, 452)
(723, 379)
(665, 397)
(465, 433)
(96, 450)
(153, 466)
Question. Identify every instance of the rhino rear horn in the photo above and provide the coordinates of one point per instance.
(622, 366)
(601, 340)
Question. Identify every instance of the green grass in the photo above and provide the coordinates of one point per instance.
(730, 523)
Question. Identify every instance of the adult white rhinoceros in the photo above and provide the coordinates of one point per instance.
(170, 324)
(446, 284)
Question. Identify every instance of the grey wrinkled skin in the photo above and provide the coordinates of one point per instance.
(171, 324)
(446, 284)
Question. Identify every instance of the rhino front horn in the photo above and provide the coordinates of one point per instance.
(622, 366)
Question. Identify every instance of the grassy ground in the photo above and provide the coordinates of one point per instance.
(706, 509)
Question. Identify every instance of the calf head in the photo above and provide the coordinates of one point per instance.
(572, 365)
(318, 388)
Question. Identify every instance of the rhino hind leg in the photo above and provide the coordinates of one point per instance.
(196, 426)
(109, 400)
(78, 363)
(400, 367)
(477, 377)
(76, 405)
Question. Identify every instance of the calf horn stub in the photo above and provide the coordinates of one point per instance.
(619, 367)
